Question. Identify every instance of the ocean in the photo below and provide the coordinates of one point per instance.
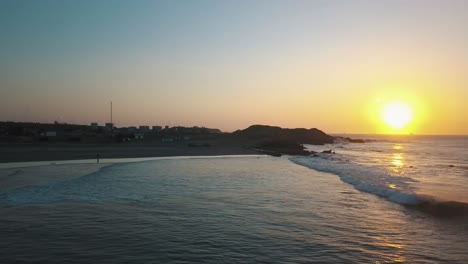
(404, 169)
(392, 200)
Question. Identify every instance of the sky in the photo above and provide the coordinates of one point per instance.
(333, 65)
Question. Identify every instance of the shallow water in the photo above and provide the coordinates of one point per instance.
(225, 210)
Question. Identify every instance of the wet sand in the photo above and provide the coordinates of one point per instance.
(38, 163)
(81, 151)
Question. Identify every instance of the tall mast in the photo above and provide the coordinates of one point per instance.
(112, 122)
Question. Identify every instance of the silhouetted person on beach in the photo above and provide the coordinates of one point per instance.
(97, 158)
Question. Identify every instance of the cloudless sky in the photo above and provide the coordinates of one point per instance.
(230, 64)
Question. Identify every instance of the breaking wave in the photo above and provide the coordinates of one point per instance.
(379, 181)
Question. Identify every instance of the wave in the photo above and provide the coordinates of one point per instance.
(96, 186)
(444, 208)
(378, 181)
(364, 178)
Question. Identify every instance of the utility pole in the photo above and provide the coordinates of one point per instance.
(112, 122)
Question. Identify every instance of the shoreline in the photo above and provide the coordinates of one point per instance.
(21, 174)
(14, 153)
(110, 161)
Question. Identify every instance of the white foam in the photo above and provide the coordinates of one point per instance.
(373, 180)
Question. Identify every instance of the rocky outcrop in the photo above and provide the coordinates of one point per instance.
(281, 147)
(353, 140)
(277, 141)
(311, 136)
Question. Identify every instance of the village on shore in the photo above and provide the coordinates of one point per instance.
(60, 141)
(28, 132)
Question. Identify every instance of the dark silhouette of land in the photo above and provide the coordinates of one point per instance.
(311, 136)
(21, 142)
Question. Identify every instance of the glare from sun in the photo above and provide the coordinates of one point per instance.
(397, 115)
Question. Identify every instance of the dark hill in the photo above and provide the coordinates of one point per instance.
(299, 135)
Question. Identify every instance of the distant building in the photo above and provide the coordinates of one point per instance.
(94, 126)
(144, 129)
(110, 126)
(157, 128)
(132, 129)
(139, 136)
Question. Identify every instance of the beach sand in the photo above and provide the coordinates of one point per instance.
(15, 152)
(39, 163)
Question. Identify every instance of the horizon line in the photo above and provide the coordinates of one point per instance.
(330, 133)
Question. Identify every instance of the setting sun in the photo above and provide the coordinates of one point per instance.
(397, 115)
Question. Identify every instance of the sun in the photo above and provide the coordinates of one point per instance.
(397, 115)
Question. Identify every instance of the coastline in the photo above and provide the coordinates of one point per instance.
(41, 163)
(21, 174)
(36, 152)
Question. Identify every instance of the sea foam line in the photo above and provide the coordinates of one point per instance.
(367, 179)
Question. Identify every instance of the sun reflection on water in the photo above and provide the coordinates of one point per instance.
(396, 256)
(397, 160)
(397, 147)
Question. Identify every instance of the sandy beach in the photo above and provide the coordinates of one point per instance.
(79, 151)
(30, 164)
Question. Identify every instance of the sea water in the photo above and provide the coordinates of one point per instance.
(403, 169)
(227, 210)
